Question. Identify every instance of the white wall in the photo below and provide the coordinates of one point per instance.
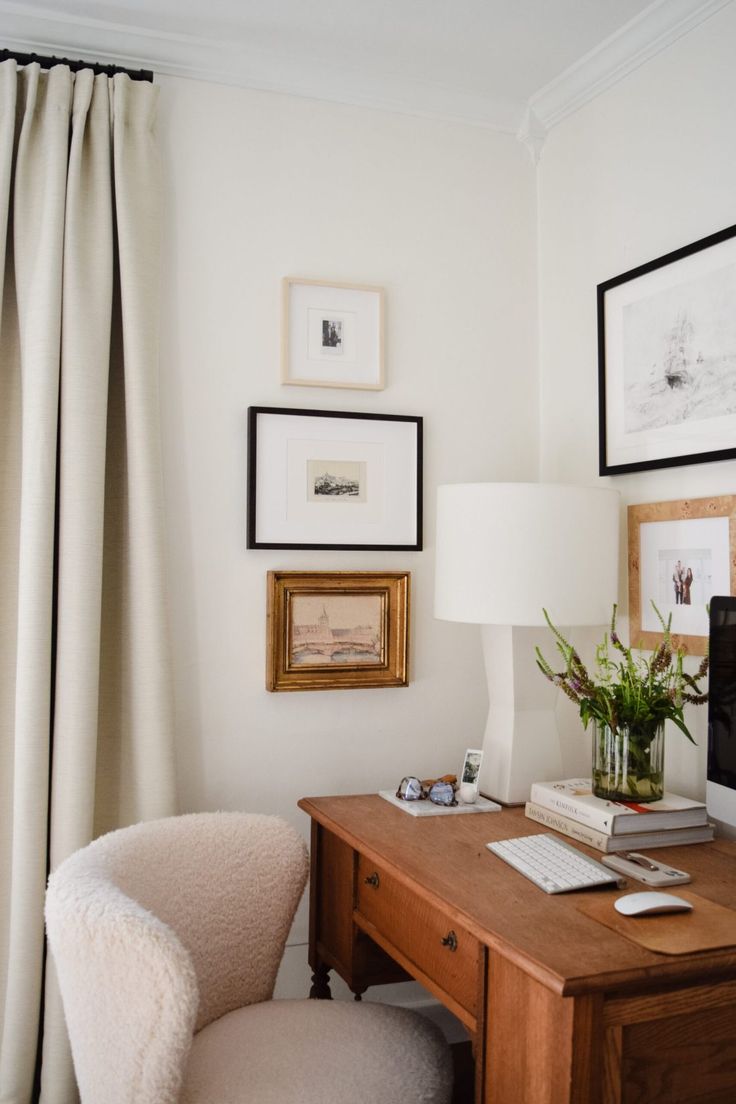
(261, 186)
(647, 167)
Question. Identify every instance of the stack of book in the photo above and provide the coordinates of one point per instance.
(569, 807)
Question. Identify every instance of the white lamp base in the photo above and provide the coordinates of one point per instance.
(521, 743)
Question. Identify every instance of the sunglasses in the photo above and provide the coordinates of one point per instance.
(439, 790)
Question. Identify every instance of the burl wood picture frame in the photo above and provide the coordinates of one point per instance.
(681, 554)
(337, 630)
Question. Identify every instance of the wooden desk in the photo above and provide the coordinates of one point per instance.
(560, 1008)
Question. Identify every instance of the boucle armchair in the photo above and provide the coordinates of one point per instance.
(167, 938)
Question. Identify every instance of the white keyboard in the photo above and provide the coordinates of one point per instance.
(554, 866)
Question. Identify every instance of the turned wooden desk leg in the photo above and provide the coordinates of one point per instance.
(320, 989)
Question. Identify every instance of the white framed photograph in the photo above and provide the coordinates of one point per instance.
(681, 554)
(334, 480)
(667, 359)
(332, 335)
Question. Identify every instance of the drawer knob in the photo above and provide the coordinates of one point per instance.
(373, 880)
(450, 940)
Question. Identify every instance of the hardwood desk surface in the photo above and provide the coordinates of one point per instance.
(560, 1008)
(445, 858)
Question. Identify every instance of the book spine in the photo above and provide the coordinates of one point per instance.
(599, 819)
(581, 832)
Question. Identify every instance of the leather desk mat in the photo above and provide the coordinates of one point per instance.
(708, 925)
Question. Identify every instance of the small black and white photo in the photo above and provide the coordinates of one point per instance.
(332, 335)
(336, 480)
(471, 765)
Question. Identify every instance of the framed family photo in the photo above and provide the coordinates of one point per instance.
(334, 480)
(332, 335)
(681, 554)
(337, 630)
(667, 359)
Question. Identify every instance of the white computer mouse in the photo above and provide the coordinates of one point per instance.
(647, 904)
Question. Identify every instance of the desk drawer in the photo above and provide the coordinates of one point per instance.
(440, 948)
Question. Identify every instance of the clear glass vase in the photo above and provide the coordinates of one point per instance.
(628, 762)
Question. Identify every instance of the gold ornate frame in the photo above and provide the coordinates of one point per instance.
(390, 647)
(684, 509)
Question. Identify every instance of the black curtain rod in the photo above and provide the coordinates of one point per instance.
(97, 67)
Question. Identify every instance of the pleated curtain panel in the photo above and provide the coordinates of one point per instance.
(86, 740)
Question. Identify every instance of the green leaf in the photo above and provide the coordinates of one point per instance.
(683, 728)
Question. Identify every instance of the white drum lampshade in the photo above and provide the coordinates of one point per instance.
(505, 552)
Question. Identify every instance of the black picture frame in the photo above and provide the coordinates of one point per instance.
(277, 474)
(652, 400)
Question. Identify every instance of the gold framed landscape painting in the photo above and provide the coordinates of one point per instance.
(337, 630)
(681, 554)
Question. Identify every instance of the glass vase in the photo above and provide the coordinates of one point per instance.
(628, 762)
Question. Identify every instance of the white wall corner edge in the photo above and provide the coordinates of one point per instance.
(533, 134)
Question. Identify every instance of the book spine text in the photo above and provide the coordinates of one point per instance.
(558, 823)
(599, 819)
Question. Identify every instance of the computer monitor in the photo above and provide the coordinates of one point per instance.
(720, 793)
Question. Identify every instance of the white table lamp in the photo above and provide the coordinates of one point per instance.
(505, 551)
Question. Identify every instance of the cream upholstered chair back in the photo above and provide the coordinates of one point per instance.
(157, 930)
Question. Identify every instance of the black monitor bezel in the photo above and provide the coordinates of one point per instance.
(718, 604)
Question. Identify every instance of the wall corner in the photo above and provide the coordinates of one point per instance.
(533, 134)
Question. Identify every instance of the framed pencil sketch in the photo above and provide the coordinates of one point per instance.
(334, 479)
(667, 359)
(681, 554)
(337, 630)
(332, 335)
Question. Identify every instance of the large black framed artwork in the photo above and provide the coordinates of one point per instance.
(334, 480)
(667, 359)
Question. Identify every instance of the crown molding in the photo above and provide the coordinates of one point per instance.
(645, 36)
(232, 63)
(46, 31)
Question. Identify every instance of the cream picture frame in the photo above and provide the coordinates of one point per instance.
(332, 335)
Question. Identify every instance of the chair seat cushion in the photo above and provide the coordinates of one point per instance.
(318, 1052)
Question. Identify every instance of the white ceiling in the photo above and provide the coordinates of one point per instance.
(485, 62)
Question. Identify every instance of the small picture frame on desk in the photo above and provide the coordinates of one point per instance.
(468, 788)
(471, 765)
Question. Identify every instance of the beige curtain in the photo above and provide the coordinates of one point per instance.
(85, 704)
